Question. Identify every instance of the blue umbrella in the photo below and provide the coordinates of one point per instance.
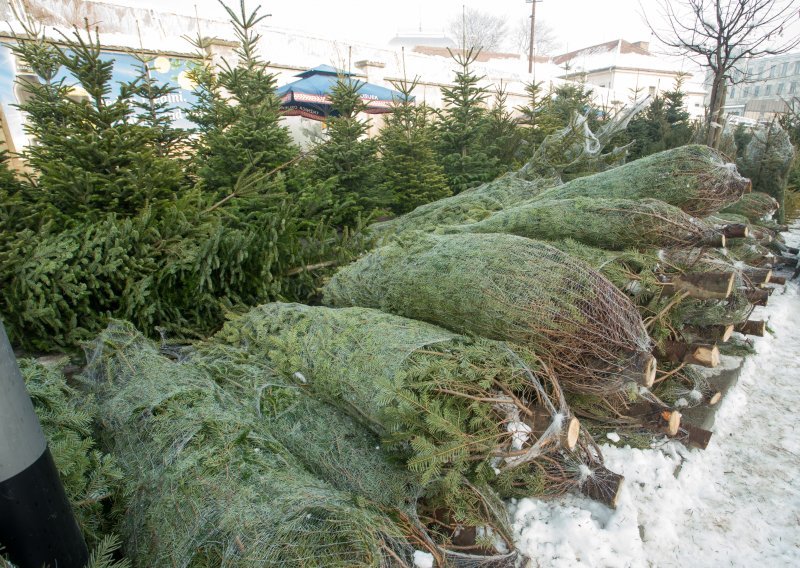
(309, 96)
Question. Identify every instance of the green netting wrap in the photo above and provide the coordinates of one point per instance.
(604, 223)
(459, 413)
(466, 207)
(207, 485)
(576, 150)
(767, 160)
(694, 178)
(449, 406)
(632, 271)
(508, 288)
(749, 251)
(754, 206)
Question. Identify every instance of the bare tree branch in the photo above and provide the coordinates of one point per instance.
(719, 34)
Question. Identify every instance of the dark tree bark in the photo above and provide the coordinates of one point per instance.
(719, 34)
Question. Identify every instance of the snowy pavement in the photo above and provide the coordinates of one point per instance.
(735, 504)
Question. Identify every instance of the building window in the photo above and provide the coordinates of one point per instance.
(768, 90)
(785, 71)
(797, 68)
(779, 89)
(733, 93)
(746, 92)
(756, 90)
(792, 87)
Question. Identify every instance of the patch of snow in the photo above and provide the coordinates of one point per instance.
(734, 504)
(423, 559)
(520, 433)
(613, 436)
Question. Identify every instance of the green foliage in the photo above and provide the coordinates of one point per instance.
(462, 128)
(605, 223)
(664, 124)
(767, 160)
(694, 178)
(503, 287)
(91, 478)
(435, 399)
(412, 176)
(237, 113)
(205, 482)
(503, 136)
(107, 225)
(91, 156)
(347, 159)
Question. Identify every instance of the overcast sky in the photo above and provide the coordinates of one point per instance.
(578, 23)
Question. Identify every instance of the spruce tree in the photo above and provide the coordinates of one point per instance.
(462, 128)
(238, 113)
(411, 172)
(503, 138)
(532, 132)
(346, 161)
(91, 156)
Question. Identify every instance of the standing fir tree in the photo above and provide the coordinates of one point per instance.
(412, 175)
(238, 113)
(462, 128)
(531, 132)
(347, 161)
(91, 156)
(503, 138)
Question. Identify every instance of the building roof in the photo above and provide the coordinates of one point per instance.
(420, 39)
(482, 56)
(617, 46)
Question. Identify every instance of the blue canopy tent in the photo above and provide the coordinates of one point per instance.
(309, 96)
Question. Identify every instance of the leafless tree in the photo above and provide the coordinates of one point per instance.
(719, 34)
(545, 38)
(478, 30)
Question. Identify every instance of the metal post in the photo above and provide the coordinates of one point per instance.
(37, 526)
(533, 24)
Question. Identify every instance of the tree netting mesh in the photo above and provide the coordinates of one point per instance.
(576, 150)
(508, 288)
(604, 223)
(754, 206)
(694, 178)
(449, 406)
(468, 206)
(470, 418)
(205, 482)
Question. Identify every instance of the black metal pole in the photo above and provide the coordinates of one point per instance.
(37, 526)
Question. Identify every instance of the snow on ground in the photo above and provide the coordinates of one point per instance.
(735, 504)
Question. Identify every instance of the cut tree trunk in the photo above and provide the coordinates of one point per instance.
(696, 436)
(540, 420)
(712, 333)
(603, 485)
(753, 327)
(756, 296)
(701, 285)
(703, 354)
(736, 231)
(786, 260)
(758, 275)
(777, 279)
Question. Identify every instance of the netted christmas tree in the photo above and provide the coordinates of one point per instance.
(508, 288)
